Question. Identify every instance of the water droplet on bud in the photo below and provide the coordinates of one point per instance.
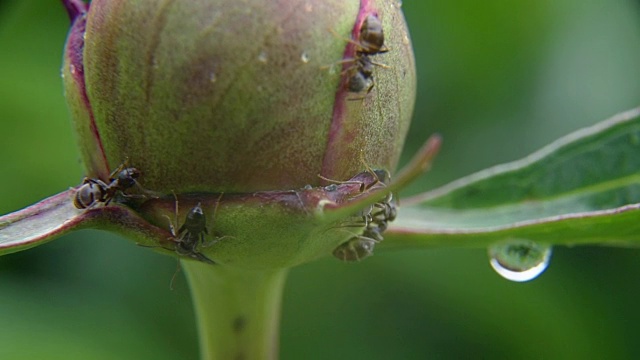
(519, 259)
(304, 57)
(262, 57)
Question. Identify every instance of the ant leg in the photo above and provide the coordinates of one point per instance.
(118, 169)
(343, 182)
(175, 215)
(384, 66)
(173, 278)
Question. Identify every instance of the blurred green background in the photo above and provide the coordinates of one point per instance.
(497, 78)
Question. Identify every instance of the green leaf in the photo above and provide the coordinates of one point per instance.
(582, 188)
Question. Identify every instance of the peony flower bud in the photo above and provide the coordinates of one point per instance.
(250, 136)
(239, 96)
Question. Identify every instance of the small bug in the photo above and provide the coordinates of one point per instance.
(374, 218)
(371, 39)
(360, 75)
(355, 249)
(191, 234)
(94, 191)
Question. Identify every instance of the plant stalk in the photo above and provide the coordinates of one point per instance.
(237, 310)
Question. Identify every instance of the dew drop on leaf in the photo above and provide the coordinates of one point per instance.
(519, 259)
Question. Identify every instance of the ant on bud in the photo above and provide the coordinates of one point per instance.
(355, 249)
(370, 42)
(374, 218)
(94, 191)
(190, 235)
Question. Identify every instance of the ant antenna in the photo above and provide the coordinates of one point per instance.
(173, 278)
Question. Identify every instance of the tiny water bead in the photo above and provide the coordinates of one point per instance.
(304, 57)
(519, 259)
(262, 57)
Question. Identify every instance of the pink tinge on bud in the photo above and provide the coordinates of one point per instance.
(353, 132)
(75, 8)
(74, 56)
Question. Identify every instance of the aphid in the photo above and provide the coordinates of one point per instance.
(94, 191)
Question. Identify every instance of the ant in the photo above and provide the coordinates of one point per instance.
(94, 191)
(191, 234)
(355, 249)
(371, 36)
(373, 218)
(370, 42)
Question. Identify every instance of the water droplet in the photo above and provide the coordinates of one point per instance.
(519, 259)
(332, 187)
(398, 3)
(262, 57)
(304, 57)
(72, 69)
(405, 40)
(212, 77)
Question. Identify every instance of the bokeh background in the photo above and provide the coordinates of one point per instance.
(497, 78)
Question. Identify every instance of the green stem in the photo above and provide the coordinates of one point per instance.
(237, 310)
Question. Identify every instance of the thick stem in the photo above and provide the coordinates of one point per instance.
(238, 311)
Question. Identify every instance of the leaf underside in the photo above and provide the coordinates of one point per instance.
(582, 188)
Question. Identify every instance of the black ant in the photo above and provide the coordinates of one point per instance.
(190, 234)
(374, 218)
(370, 42)
(94, 191)
(355, 249)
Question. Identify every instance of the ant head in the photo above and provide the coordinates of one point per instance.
(132, 173)
(382, 175)
(197, 210)
(127, 177)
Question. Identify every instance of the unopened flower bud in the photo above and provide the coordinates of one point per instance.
(239, 96)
